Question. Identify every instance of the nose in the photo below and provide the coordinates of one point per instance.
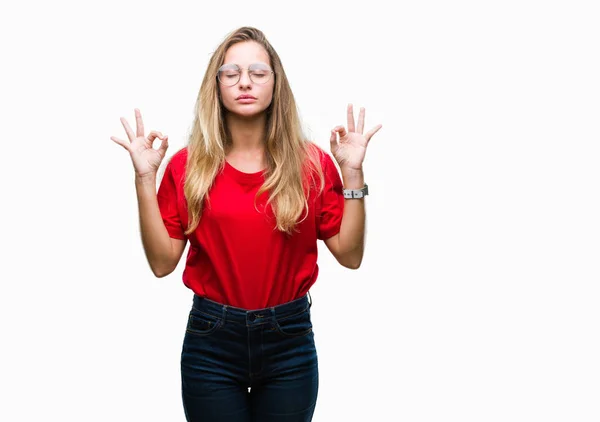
(245, 78)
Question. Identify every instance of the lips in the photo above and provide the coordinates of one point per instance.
(246, 97)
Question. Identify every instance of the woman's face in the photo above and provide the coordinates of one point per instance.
(247, 69)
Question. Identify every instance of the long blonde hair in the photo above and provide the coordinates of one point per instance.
(292, 159)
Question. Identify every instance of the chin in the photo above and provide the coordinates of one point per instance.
(247, 111)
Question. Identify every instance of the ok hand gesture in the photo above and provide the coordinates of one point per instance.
(350, 151)
(146, 160)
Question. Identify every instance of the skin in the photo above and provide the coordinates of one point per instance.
(348, 147)
(246, 123)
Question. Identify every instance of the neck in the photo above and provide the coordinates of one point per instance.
(247, 135)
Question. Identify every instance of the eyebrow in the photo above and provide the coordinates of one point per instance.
(235, 64)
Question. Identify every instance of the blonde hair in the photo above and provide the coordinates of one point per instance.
(292, 160)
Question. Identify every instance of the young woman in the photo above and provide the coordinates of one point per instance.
(252, 195)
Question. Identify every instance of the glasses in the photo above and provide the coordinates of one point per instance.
(229, 74)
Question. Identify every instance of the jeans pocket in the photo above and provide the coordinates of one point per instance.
(297, 325)
(201, 324)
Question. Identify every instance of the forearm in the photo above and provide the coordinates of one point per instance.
(352, 230)
(155, 238)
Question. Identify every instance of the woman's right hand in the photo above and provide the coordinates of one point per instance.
(146, 160)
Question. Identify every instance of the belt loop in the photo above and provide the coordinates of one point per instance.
(309, 300)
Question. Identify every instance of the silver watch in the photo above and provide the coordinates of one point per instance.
(356, 193)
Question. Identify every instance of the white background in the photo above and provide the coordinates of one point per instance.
(478, 295)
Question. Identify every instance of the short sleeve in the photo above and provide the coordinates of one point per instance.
(167, 203)
(331, 201)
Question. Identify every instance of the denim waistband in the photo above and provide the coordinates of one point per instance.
(250, 317)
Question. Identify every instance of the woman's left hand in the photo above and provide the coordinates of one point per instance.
(351, 148)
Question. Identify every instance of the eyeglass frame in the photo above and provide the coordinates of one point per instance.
(247, 69)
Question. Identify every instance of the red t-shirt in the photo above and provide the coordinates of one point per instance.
(237, 256)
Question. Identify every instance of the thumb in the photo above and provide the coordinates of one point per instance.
(163, 145)
(333, 140)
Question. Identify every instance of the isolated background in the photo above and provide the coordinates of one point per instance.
(478, 296)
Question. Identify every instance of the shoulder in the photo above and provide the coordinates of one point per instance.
(328, 165)
(323, 157)
(179, 159)
(328, 170)
(176, 164)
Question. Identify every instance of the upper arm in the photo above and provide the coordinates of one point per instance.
(333, 244)
(177, 248)
(343, 257)
(170, 199)
(330, 205)
(331, 209)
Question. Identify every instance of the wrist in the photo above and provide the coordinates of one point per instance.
(353, 178)
(145, 179)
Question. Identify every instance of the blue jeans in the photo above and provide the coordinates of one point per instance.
(241, 365)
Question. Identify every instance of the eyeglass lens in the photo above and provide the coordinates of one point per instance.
(229, 74)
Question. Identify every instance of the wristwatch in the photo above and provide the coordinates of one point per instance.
(356, 193)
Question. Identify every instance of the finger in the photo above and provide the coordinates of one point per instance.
(128, 130)
(120, 142)
(139, 123)
(361, 120)
(341, 130)
(162, 150)
(350, 118)
(153, 135)
(333, 140)
(372, 132)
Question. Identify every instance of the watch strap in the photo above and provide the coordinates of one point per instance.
(356, 193)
